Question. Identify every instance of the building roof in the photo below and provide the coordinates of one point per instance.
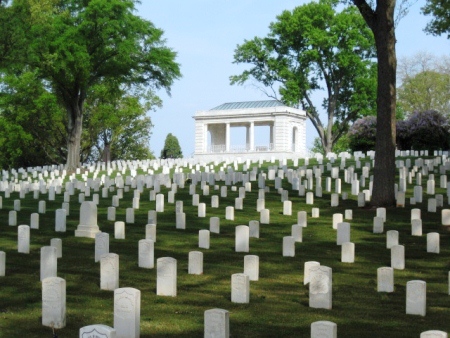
(249, 104)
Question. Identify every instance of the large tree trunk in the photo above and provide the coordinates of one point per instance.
(75, 115)
(381, 22)
(383, 193)
(106, 156)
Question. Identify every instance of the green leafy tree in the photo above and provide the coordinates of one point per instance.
(425, 83)
(116, 125)
(340, 146)
(171, 148)
(32, 126)
(76, 44)
(311, 49)
(440, 24)
(12, 34)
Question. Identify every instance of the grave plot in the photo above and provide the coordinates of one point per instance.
(282, 248)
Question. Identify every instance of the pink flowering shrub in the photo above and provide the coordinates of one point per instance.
(428, 130)
(362, 134)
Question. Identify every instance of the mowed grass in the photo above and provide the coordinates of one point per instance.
(278, 301)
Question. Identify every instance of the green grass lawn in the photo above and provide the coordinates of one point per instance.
(278, 301)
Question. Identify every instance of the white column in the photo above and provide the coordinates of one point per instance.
(247, 137)
(227, 138)
(252, 136)
(205, 138)
(272, 138)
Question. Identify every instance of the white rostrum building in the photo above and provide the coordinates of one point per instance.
(285, 126)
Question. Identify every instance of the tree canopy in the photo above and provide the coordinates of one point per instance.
(316, 48)
(32, 128)
(425, 83)
(171, 147)
(116, 125)
(74, 45)
(440, 24)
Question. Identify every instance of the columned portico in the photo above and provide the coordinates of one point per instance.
(286, 128)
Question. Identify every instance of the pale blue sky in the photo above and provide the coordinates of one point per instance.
(205, 34)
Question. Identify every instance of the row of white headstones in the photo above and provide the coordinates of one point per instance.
(319, 277)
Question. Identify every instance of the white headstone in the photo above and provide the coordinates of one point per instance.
(41, 207)
(415, 213)
(57, 243)
(320, 287)
(229, 213)
(416, 227)
(166, 276)
(334, 200)
(433, 334)
(297, 232)
(3, 263)
(111, 214)
(60, 220)
(129, 215)
(398, 257)
(385, 279)
(214, 201)
(309, 198)
(242, 238)
(97, 331)
(201, 212)
(433, 242)
(146, 257)
(195, 266)
(23, 239)
(287, 208)
(49, 262)
(381, 212)
(150, 232)
(306, 271)
(302, 218)
(88, 221)
(251, 267)
(119, 230)
(17, 205)
(315, 212)
(216, 323)
(109, 271)
(240, 288)
(391, 238)
(159, 203)
(337, 218)
(343, 233)
(127, 312)
(264, 216)
(12, 218)
(203, 239)
(348, 252)
(101, 245)
(445, 217)
(416, 298)
(378, 225)
(323, 329)
(253, 229)
(54, 302)
(34, 220)
(214, 225)
(432, 204)
(180, 220)
(288, 246)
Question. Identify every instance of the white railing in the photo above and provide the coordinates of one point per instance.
(221, 148)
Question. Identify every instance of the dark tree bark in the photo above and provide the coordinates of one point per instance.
(381, 22)
(75, 125)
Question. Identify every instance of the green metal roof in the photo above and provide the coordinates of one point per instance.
(249, 104)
